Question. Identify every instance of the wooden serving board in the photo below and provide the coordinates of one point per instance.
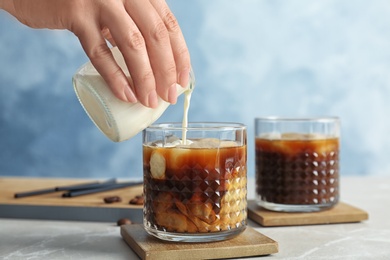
(54, 206)
(249, 243)
(341, 213)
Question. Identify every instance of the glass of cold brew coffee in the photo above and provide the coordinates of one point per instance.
(195, 181)
(297, 163)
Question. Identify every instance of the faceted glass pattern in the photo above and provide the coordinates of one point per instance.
(200, 194)
(298, 172)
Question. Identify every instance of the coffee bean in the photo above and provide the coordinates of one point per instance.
(112, 199)
(137, 200)
(123, 221)
(133, 201)
(141, 200)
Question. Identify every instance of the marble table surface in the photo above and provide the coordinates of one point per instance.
(370, 239)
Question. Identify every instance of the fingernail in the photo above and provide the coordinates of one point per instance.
(183, 77)
(152, 99)
(130, 95)
(172, 94)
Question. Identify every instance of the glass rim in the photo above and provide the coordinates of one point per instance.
(198, 126)
(323, 119)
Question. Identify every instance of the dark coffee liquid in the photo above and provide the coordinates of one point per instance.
(297, 172)
(200, 190)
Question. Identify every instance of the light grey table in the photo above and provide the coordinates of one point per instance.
(42, 239)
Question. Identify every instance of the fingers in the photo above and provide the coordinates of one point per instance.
(151, 42)
(158, 47)
(132, 45)
(102, 59)
(107, 35)
(178, 44)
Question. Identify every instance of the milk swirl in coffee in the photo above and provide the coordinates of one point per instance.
(197, 186)
(194, 183)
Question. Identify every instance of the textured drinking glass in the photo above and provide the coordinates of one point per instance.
(297, 163)
(195, 182)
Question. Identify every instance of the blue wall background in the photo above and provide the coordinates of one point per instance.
(251, 58)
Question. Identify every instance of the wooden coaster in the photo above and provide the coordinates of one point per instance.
(341, 213)
(249, 243)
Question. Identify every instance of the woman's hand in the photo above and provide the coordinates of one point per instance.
(145, 31)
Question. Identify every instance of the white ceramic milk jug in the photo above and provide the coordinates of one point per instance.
(117, 119)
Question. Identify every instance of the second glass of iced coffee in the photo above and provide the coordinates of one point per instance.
(195, 181)
(297, 163)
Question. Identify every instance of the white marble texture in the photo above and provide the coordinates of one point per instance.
(24, 239)
(32, 239)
